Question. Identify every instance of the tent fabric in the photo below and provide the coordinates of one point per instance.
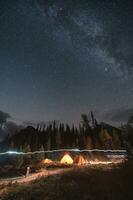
(66, 159)
(79, 160)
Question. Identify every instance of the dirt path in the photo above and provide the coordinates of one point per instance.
(43, 173)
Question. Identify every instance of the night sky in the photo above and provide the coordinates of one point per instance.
(59, 59)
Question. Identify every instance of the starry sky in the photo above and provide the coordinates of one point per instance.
(59, 59)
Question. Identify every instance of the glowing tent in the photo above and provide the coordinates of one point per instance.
(66, 160)
(47, 161)
(79, 160)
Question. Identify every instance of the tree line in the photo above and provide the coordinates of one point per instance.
(90, 134)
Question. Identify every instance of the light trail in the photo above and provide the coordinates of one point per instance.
(62, 150)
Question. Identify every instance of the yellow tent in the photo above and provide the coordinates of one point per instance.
(66, 160)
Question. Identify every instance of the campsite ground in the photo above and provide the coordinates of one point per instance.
(80, 183)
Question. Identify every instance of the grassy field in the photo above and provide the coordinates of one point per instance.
(96, 183)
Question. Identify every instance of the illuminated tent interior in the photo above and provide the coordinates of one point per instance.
(66, 159)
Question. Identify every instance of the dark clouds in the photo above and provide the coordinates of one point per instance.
(3, 117)
(7, 127)
(118, 115)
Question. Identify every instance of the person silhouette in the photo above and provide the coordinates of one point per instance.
(27, 171)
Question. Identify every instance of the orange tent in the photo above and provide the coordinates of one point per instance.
(66, 160)
(79, 160)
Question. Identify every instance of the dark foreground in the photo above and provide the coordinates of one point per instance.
(96, 183)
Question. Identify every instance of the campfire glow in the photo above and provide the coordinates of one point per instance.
(66, 160)
(98, 162)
